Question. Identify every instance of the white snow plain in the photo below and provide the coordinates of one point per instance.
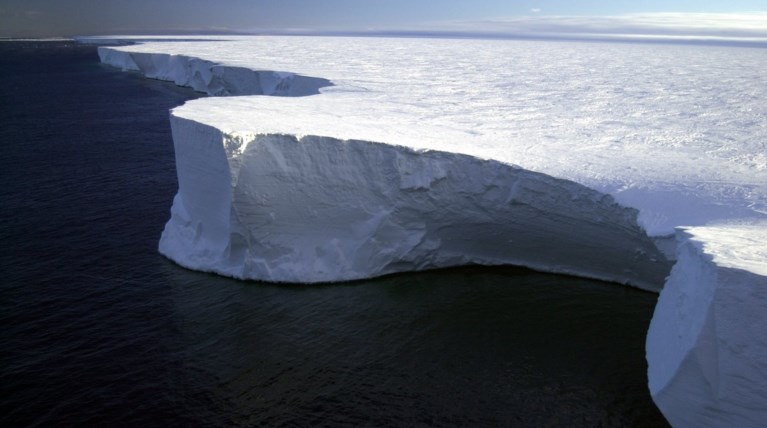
(675, 131)
(435, 152)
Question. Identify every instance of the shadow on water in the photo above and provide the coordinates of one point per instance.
(460, 346)
(99, 329)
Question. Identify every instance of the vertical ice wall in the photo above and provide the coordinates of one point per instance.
(707, 344)
(314, 209)
(211, 78)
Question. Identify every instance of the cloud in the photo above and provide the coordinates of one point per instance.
(673, 25)
(536, 10)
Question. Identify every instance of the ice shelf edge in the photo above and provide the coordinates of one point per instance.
(184, 227)
(211, 78)
(320, 209)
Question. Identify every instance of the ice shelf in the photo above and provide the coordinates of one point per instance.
(402, 155)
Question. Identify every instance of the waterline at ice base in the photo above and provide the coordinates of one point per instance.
(391, 155)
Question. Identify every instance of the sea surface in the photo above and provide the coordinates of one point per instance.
(98, 329)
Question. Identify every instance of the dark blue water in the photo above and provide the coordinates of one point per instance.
(98, 329)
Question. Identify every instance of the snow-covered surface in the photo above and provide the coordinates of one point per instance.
(707, 347)
(675, 131)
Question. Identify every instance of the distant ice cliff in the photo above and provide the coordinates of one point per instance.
(211, 78)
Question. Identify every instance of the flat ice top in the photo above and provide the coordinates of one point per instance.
(676, 131)
(738, 246)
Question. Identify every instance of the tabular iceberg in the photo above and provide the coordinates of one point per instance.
(404, 165)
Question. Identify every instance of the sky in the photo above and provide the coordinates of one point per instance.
(66, 18)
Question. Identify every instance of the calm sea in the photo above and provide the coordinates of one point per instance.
(98, 329)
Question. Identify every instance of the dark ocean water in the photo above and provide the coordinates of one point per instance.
(98, 329)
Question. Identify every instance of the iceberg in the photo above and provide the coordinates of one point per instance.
(395, 155)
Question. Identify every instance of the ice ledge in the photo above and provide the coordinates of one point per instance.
(309, 209)
(706, 345)
(211, 78)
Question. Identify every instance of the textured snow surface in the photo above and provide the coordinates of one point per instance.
(677, 132)
(707, 347)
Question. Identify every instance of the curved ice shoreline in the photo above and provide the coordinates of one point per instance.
(319, 209)
(280, 208)
(725, 387)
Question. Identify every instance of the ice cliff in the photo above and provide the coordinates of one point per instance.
(707, 342)
(295, 203)
(209, 77)
(314, 209)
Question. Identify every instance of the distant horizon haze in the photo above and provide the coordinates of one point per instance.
(731, 20)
